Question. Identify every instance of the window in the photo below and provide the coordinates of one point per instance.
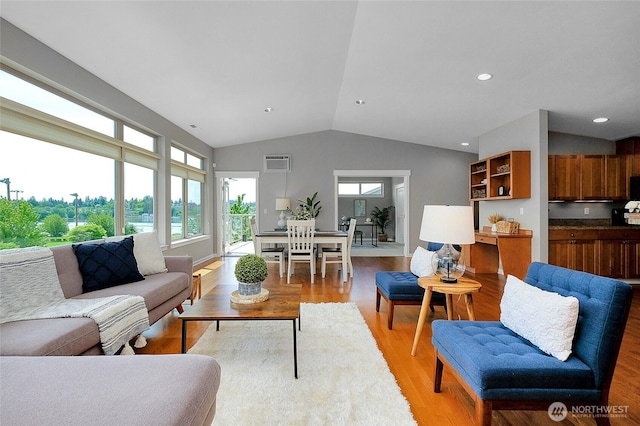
(364, 189)
(64, 159)
(21, 91)
(52, 180)
(138, 199)
(187, 179)
(137, 138)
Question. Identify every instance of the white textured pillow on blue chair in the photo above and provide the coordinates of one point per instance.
(421, 263)
(546, 319)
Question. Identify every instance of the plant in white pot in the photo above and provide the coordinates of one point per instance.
(250, 271)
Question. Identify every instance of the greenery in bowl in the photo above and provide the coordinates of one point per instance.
(251, 268)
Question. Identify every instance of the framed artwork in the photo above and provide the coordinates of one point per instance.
(359, 208)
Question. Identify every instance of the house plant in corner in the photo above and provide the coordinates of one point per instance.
(382, 218)
(250, 271)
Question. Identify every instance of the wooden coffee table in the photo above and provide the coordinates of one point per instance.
(283, 304)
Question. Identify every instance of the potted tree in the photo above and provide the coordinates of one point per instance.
(382, 218)
(250, 271)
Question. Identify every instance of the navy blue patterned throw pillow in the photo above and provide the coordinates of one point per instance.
(107, 264)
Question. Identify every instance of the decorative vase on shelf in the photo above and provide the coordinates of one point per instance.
(494, 228)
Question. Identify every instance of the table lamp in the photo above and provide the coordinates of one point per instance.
(448, 225)
(282, 204)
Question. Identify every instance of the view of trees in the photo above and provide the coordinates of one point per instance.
(240, 212)
(19, 225)
(39, 223)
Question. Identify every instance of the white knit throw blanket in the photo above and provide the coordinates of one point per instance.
(29, 289)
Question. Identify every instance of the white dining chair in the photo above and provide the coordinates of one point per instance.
(269, 254)
(334, 254)
(300, 234)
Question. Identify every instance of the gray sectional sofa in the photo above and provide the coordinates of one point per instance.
(178, 390)
(79, 336)
(103, 390)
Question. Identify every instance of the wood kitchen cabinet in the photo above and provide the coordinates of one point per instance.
(612, 253)
(589, 177)
(618, 171)
(574, 249)
(592, 177)
(566, 173)
(635, 165)
(619, 252)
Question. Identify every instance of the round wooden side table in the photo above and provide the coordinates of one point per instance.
(464, 286)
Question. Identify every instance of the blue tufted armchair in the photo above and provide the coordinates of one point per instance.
(503, 371)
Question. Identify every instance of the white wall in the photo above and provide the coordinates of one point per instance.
(529, 133)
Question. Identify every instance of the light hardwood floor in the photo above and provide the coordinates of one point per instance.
(414, 374)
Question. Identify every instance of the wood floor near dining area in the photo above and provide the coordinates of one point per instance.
(414, 375)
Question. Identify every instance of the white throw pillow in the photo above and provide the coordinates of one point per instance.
(147, 251)
(421, 262)
(546, 319)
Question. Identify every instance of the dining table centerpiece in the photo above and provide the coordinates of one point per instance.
(308, 209)
(250, 271)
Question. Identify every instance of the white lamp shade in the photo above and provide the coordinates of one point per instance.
(448, 224)
(283, 204)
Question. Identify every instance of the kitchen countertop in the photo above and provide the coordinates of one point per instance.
(561, 224)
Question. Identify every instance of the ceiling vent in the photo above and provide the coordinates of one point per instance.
(277, 163)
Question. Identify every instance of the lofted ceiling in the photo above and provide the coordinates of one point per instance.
(217, 65)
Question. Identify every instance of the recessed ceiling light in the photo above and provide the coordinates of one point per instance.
(360, 102)
(268, 109)
(600, 120)
(484, 77)
(465, 144)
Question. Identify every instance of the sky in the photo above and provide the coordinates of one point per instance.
(45, 170)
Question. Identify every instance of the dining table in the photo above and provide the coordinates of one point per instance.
(320, 237)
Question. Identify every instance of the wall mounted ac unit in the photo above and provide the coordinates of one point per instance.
(277, 163)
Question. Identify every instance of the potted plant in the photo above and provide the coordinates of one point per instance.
(309, 208)
(382, 218)
(250, 271)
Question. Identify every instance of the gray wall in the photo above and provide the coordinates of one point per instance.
(438, 176)
(529, 133)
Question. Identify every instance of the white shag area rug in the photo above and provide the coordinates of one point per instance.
(343, 377)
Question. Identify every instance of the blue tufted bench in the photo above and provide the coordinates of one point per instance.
(503, 371)
(401, 288)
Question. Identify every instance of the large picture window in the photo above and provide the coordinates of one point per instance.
(71, 174)
(187, 186)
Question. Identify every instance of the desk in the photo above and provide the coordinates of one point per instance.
(320, 237)
(374, 230)
(464, 286)
(513, 250)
